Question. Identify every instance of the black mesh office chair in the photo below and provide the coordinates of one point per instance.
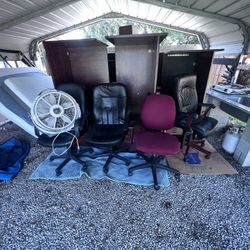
(110, 126)
(65, 139)
(196, 126)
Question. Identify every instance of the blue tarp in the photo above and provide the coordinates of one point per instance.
(118, 171)
(12, 155)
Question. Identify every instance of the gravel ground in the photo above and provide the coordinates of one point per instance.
(200, 212)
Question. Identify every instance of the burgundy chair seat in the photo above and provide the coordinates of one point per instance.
(157, 115)
(157, 143)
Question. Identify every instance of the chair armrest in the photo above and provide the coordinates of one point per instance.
(187, 135)
(183, 115)
(208, 106)
(77, 127)
(185, 119)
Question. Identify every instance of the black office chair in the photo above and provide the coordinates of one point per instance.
(110, 120)
(196, 126)
(65, 139)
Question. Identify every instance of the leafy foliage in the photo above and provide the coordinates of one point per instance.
(111, 27)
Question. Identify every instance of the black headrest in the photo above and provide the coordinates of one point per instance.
(76, 91)
(187, 81)
(185, 93)
(110, 103)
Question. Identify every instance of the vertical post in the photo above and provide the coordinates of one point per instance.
(156, 62)
(242, 152)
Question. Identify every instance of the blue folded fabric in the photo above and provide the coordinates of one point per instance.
(193, 158)
(12, 155)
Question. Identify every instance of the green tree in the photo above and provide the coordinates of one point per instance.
(111, 27)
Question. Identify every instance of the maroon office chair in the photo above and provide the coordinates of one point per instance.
(157, 115)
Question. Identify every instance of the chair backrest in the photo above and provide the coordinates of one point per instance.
(158, 112)
(185, 94)
(78, 93)
(110, 103)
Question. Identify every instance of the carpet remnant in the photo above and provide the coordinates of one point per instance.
(118, 171)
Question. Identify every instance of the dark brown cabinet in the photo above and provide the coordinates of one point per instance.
(81, 61)
(177, 63)
(136, 58)
(136, 63)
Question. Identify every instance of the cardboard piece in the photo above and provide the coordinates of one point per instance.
(216, 165)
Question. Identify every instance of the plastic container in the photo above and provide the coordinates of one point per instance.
(230, 141)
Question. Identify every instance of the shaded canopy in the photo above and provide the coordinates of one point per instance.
(219, 24)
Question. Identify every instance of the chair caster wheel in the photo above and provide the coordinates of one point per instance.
(105, 170)
(130, 173)
(207, 156)
(58, 172)
(127, 163)
(177, 177)
(157, 187)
